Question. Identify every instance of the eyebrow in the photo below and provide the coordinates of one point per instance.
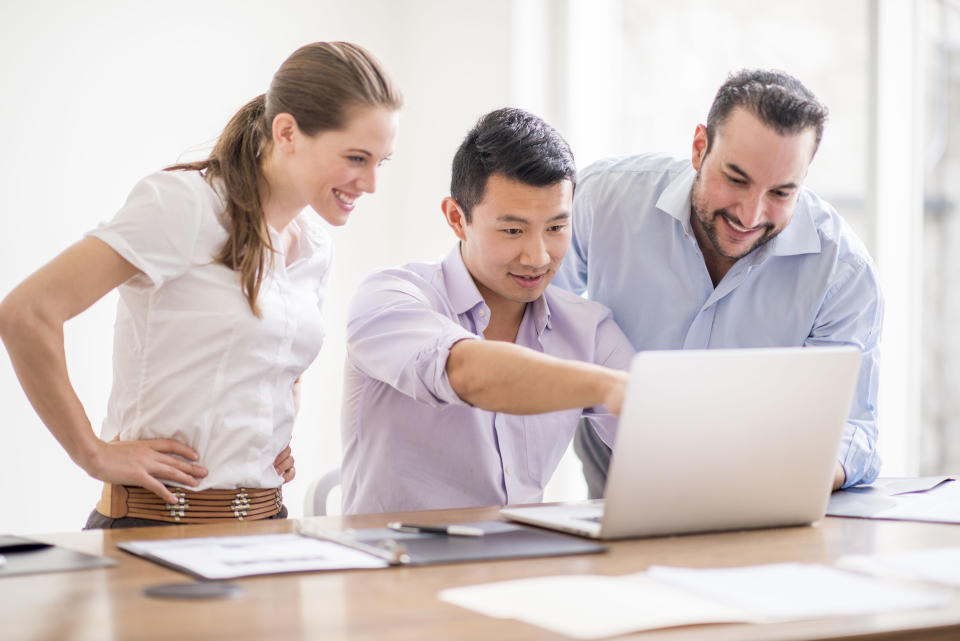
(360, 151)
(735, 169)
(510, 218)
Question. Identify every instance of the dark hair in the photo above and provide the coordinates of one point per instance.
(319, 85)
(778, 99)
(514, 143)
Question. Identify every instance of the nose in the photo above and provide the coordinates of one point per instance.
(535, 252)
(751, 210)
(368, 180)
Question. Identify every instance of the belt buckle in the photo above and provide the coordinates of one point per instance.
(178, 509)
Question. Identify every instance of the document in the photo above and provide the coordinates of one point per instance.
(229, 557)
(933, 565)
(785, 591)
(589, 606)
(932, 498)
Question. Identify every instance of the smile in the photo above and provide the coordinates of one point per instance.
(528, 281)
(344, 198)
(739, 228)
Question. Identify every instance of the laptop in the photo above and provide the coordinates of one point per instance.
(722, 439)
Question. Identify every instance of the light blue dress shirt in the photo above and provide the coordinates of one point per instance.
(814, 284)
(409, 442)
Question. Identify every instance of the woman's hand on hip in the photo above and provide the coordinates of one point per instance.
(147, 464)
(284, 465)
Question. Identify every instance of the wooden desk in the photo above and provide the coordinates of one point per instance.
(400, 604)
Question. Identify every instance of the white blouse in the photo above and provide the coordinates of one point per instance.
(190, 361)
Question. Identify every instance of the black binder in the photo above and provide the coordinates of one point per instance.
(501, 540)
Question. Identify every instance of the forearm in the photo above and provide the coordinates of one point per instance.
(504, 377)
(35, 347)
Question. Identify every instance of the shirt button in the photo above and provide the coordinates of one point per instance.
(482, 312)
(507, 470)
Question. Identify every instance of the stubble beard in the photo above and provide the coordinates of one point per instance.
(707, 222)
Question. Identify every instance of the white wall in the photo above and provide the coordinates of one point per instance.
(96, 95)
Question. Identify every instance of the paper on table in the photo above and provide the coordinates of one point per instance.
(588, 606)
(784, 591)
(229, 557)
(934, 499)
(935, 565)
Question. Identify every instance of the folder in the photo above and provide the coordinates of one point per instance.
(500, 541)
(26, 556)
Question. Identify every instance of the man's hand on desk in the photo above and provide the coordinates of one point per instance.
(284, 465)
(839, 476)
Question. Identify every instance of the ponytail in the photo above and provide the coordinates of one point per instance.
(235, 160)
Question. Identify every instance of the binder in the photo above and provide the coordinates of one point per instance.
(500, 541)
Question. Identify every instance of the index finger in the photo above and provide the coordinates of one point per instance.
(170, 446)
(282, 455)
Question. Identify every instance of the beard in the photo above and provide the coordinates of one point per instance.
(708, 220)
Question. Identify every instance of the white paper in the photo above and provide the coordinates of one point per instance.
(229, 557)
(934, 565)
(785, 591)
(589, 606)
(935, 498)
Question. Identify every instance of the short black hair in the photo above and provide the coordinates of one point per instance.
(514, 143)
(778, 99)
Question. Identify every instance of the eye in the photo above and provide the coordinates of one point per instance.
(781, 194)
(357, 160)
(557, 228)
(735, 181)
(512, 231)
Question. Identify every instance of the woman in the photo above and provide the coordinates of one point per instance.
(221, 280)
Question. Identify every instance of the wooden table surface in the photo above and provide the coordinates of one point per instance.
(401, 604)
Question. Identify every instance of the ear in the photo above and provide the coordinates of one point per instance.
(455, 217)
(284, 131)
(699, 147)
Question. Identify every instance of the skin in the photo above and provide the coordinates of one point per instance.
(299, 171)
(512, 248)
(746, 191)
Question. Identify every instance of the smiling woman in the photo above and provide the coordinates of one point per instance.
(221, 280)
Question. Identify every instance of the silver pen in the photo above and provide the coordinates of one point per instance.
(448, 530)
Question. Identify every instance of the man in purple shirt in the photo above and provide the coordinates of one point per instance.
(466, 377)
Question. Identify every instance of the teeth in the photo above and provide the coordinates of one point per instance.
(342, 197)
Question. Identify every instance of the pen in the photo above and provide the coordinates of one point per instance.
(449, 530)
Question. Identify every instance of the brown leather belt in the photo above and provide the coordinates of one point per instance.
(205, 506)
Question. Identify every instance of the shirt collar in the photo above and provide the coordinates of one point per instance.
(462, 291)
(541, 312)
(799, 237)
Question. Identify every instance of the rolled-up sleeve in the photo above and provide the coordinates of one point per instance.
(398, 333)
(852, 314)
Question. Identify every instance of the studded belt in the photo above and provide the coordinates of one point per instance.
(205, 506)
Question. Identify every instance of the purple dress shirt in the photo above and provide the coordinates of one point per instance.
(409, 442)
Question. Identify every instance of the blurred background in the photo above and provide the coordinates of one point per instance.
(97, 94)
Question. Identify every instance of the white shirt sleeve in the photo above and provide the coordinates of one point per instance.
(156, 230)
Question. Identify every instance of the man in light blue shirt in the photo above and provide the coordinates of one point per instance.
(728, 249)
(466, 377)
